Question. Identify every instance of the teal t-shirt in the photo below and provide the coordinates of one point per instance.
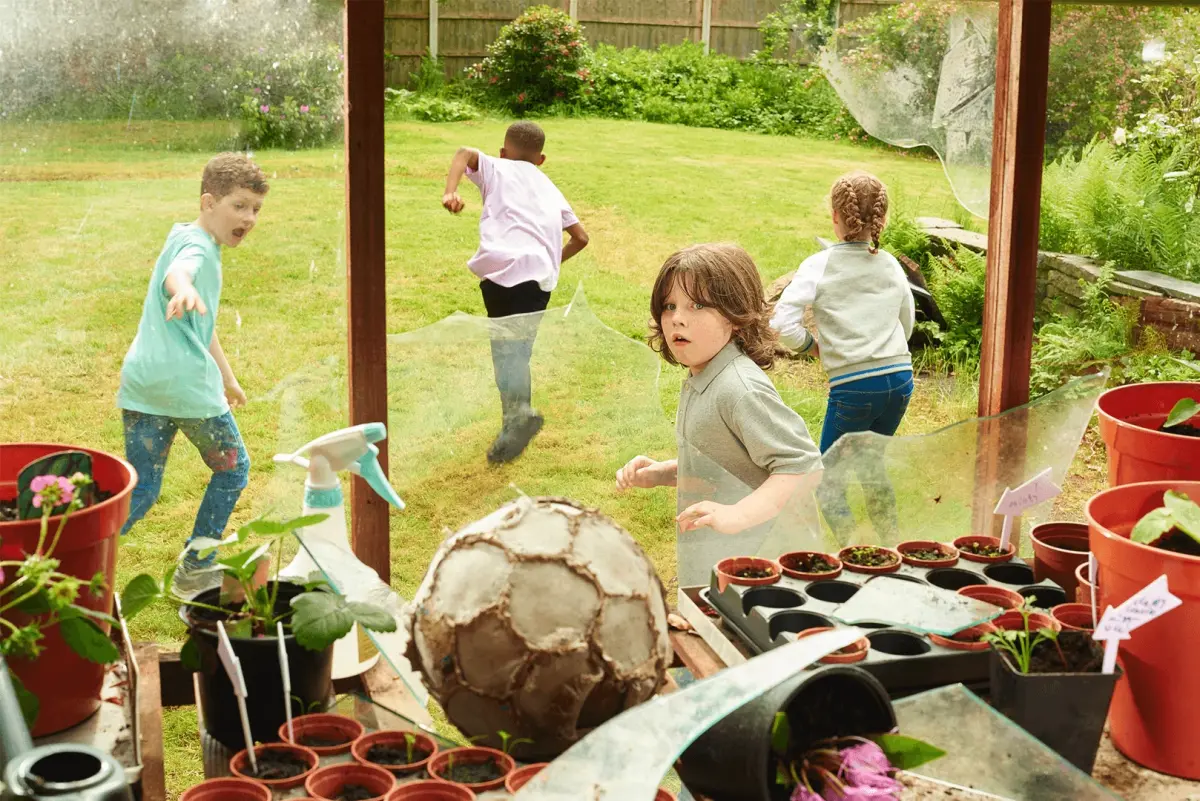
(168, 370)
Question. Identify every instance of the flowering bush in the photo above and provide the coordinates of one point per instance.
(294, 102)
(539, 59)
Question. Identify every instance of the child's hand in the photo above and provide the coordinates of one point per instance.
(185, 300)
(640, 471)
(235, 395)
(452, 202)
(719, 517)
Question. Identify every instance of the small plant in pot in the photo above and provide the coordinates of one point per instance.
(350, 781)
(1178, 417)
(1050, 684)
(1175, 526)
(281, 766)
(313, 618)
(844, 767)
(810, 565)
(869, 559)
(401, 752)
(979, 548)
(326, 733)
(475, 767)
(926, 553)
(750, 571)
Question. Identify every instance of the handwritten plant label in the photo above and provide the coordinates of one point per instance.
(233, 666)
(1016, 500)
(286, 673)
(1146, 604)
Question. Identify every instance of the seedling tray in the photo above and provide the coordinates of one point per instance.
(903, 659)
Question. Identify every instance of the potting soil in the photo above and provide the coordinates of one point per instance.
(926, 554)
(1082, 653)
(474, 772)
(754, 573)
(395, 755)
(8, 511)
(313, 741)
(980, 549)
(869, 557)
(809, 564)
(355, 792)
(274, 765)
(1183, 430)
(1175, 540)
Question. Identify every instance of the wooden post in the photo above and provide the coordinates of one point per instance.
(366, 296)
(573, 9)
(706, 25)
(433, 31)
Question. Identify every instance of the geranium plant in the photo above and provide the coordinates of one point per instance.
(31, 583)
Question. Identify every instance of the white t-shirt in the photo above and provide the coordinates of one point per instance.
(520, 230)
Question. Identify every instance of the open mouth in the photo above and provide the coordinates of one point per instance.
(679, 339)
(238, 233)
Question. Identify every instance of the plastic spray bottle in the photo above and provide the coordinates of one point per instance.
(350, 449)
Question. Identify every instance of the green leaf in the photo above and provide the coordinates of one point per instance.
(35, 604)
(372, 617)
(243, 564)
(1152, 526)
(906, 753)
(139, 593)
(189, 655)
(1185, 513)
(273, 528)
(320, 619)
(243, 628)
(28, 702)
(87, 640)
(1182, 412)
(781, 734)
(82, 611)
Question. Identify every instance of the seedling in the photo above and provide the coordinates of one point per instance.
(1175, 526)
(1020, 644)
(1181, 412)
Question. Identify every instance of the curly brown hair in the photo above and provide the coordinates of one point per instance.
(226, 172)
(861, 200)
(724, 277)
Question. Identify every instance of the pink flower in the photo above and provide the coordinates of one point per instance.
(54, 490)
(802, 793)
(264, 109)
(868, 756)
(304, 109)
(257, 91)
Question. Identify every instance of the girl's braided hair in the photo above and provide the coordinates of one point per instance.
(861, 200)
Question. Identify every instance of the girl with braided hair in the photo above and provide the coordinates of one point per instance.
(863, 310)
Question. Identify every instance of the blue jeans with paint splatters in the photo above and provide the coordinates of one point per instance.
(148, 439)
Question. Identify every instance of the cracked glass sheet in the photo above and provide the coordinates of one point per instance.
(916, 606)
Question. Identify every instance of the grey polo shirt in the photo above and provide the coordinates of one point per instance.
(733, 416)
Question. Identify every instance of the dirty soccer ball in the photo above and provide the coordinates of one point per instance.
(543, 620)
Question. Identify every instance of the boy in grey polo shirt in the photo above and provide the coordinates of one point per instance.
(741, 448)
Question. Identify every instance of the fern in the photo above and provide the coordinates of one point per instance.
(957, 282)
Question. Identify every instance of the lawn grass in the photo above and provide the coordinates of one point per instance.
(84, 209)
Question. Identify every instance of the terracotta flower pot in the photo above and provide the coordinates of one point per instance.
(67, 685)
(728, 568)
(965, 640)
(989, 593)
(1073, 616)
(979, 539)
(439, 766)
(949, 553)
(227, 790)
(239, 764)
(521, 776)
(431, 790)
(326, 783)
(1130, 418)
(324, 726)
(891, 567)
(1083, 587)
(789, 561)
(1059, 548)
(1012, 621)
(855, 652)
(1155, 715)
(399, 740)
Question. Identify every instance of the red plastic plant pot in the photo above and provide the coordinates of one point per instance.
(988, 593)
(664, 795)
(1155, 712)
(227, 790)
(1059, 548)
(949, 553)
(979, 539)
(727, 570)
(397, 739)
(965, 640)
(1083, 587)
(521, 776)
(789, 562)
(1130, 419)
(439, 766)
(1012, 621)
(324, 726)
(1073, 616)
(67, 685)
(326, 783)
(431, 790)
(855, 652)
(891, 567)
(239, 764)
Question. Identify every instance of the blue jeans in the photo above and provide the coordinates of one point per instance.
(874, 404)
(148, 439)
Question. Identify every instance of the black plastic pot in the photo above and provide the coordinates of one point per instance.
(1066, 711)
(311, 675)
(732, 760)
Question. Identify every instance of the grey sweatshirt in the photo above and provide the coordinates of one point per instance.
(863, 310)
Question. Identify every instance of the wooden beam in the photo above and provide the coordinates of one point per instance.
(706, 24)
(366, 296)
(150, 723)
(433, 29)
(1018, 146)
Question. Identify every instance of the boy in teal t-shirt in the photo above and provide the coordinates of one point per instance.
(176, 377)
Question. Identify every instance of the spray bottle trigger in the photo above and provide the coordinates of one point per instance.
(372, 473)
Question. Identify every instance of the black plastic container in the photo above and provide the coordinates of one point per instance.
(1066, 711)
(732, 761)
(311, 675)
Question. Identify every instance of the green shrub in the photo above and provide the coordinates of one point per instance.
(405, 105)
(539, 59)
(293, 102)
(957, 283)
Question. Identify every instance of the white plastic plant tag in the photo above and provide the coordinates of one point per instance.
(1017, 499)
(233, 667)
(1140, 608)
(1093, 583)
(286, 673)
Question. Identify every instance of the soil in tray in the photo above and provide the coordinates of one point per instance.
(1082, 653)
(869, 557)
(355, 792)
(395, 755)
(982, 549)
(274, 765)
(1175, 540)
(8, 511)
(313, 741)
(812, 563)
(754, 573)
(1182, 430)
(473, 772)
(927, 555)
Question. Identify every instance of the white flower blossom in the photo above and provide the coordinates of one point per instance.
(1118, 136)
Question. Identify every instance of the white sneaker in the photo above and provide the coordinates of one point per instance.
(191, 582)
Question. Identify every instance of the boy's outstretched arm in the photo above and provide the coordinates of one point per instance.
(184, 297)
(578, 242)
(464, 158)
(233, 390)
(758, 507)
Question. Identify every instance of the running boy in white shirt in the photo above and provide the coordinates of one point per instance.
(520, 251)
